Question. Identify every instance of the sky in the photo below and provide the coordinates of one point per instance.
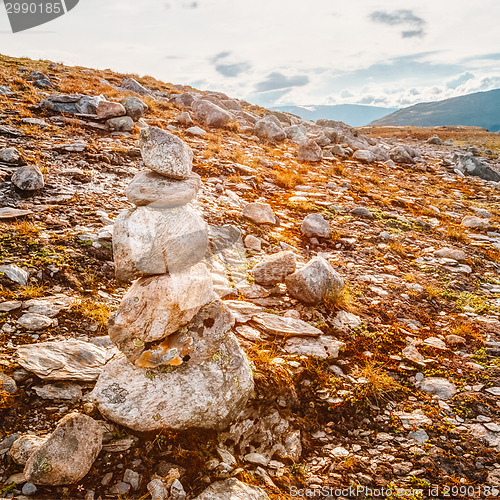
(390, 53)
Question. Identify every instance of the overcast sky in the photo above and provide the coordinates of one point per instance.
(272, 52)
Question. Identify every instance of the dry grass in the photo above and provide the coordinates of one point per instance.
(337, 169)
(95, 311)
(379, 385)
(288, 179)
(456, 233)
(26, 228)
(340, 300)
(32, 291)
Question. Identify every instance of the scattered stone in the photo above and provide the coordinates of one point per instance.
(344, 319)
(10, 155)
(270, 129)
(157, 490)
(419, 435)
(313, 283)
(28, 178)
(468, 164)
(5, 90)
(68, 454)
(322, 347)
(210, 114)
(364, 156)
(177, 491)
(259, 213)
(64, 360)
(197, 131)
(13, 213)
(309, 151)
(24, 446)
(232, 489)
(400, 155)
(253, 243)
(165, 153)
(362, 212)
(473, 222)
(315, 226)
(107, 109)
(440, 387)
(274, 268)
(134, 86)
(279, 325)
(15, 273)
(435, 139)
(61, 391)
(450, 253)
(120, 124)
(134, 107)
(157, 191)
(133, 478)
(34, 322)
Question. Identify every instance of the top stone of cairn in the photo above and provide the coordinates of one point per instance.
(165, 153)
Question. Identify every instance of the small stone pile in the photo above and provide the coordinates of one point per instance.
(182, 366)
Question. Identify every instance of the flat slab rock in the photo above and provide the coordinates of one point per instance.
(232, 489)
(64, 360)
(208, 395)
(279, 325)
(322, 347)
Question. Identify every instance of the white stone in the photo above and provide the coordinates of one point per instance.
(320, 347)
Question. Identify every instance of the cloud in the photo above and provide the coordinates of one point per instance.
(277, 80)
(403, 17)
(232, 70)
(397, 17)
(459, 80)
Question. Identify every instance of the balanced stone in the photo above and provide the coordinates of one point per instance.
(165, 153)
(158, 191)
(157, 306)
(150, 241)
(208, 395)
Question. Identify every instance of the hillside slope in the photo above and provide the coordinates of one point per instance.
(481, 109)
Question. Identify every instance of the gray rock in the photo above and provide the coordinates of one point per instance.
(419, 435)
(450, 253)
(10, 305)
(120, 124)
(259, 213)
(133, 478)
(12, 213)
(400, 155)
(279, 325)
(158, 306)
(48, 306)
(274, 268)
(28, 178)
(158, 191)
(177, 491)
(315, 226)
(362, 212)
(438, 386)
(309, 151)
(165, 153)
(68, 454)
(121, 488)
(197, 131)
(158, 490)
(64, 360)
(61, 392)
(9, 155)
(87, 104)
(5, 90)
(251, 242)
(7, 384)
(153, 241)
(232, 489)
(108, 109)
(316, 281)
(24, 446)
(15, 273)
(322, 347)
(34, 322)
(134, 86)
(270, 129)
(210, 114)
(472, 222)
(134, 107)
(435, 140)
(295, 133)
(470, 165)
(364, 156)
(185, 119)
(29, 489)
(208, 395)
(40, 80)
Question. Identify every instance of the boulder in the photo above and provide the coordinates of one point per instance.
(9, 155)
(473, 166)
(364, 156)
(165, 153)
(435, 139)
(274, 268)
(134, 107)
(150, 241)
(309, 151)
(120, 124)
(64, 360)
(68, 454)
(314, 282)
(315, 226)
(185, 119)
(259, 213)
(208, 395)
(28, 178)
(108, 109)
(15, 273)
(270, 129)
(210, 114)
(253, 243)
(134, 86)
(157, 191)
(24, 446)
(232, 489)
(157, 306)
(400, 155)
(473, 222)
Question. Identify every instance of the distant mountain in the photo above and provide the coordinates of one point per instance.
(354, 115)
(481, 109)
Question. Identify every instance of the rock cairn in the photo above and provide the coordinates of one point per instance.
(182, 366)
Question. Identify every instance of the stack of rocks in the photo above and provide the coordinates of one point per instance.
(182, 365)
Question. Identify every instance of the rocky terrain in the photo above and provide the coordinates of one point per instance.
(353, 274)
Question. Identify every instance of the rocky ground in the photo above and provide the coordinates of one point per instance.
(392, 382)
